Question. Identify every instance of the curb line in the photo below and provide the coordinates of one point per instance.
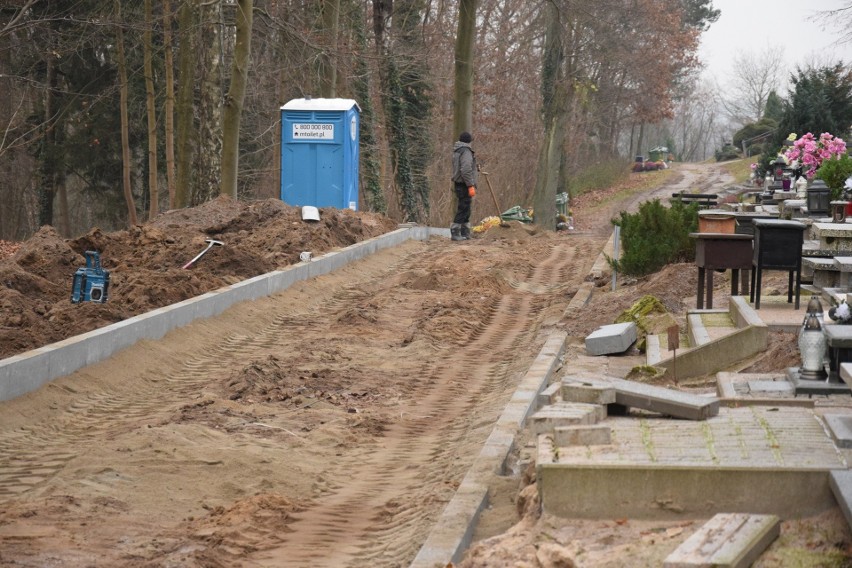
(30, 370)
(453, 530)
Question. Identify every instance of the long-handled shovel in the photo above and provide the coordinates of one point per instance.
(494, 197)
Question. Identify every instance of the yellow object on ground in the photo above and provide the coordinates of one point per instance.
(486, 224)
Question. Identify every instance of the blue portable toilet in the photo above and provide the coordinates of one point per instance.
(319, 153)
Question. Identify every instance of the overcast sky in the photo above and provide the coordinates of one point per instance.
(753, 26)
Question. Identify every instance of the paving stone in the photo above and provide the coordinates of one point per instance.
(728, 540)
(611, 339)
(580, 390)
(582, 435)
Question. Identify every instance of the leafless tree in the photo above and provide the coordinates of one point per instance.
(753, 77)
(839, 18)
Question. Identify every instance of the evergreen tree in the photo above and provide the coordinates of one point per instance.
(774, 108)
(821, 101)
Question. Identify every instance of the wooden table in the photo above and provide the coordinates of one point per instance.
(721, 251)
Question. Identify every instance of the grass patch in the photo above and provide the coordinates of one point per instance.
(598, 176)
(740, 169)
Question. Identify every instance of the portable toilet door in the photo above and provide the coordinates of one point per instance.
(319, 153)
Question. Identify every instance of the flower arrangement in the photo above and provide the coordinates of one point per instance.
(810, 151)
(841, 313)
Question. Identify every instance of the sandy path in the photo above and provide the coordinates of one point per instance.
(326, 426)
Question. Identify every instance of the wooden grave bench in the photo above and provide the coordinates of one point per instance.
(702, 199)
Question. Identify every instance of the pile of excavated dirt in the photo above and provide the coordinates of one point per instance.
(145, 263)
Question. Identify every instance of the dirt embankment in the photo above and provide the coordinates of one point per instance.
(145, 263)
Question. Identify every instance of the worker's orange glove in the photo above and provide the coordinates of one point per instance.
(471, 191)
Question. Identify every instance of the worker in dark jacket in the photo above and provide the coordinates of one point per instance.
(464, 179)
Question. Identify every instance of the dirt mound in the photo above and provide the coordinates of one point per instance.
(146, 263)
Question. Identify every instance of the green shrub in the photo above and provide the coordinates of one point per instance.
(834, 173)
(728, 152)
(655, 236)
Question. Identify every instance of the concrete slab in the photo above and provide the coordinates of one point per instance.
(664, 401)
(565, 414)
(594, 435)
(846, 373)
(653, 350)
(728, 540)
(734, 391)
(840, 482)
(611, 339)
(773, 387)
(840, 427)
(811, 387)
(655, 468)
(696, 330)
(577, 389)
(550, 395)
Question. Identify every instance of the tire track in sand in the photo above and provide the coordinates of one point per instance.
(383, 513)
(380, 500)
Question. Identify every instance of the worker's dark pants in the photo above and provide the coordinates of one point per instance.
(463, 207)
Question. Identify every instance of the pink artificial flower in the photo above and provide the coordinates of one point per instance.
(814, 151)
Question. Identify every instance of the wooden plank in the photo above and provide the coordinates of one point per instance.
(728, 540)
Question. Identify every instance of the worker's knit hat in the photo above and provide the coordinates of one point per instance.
(465, 137)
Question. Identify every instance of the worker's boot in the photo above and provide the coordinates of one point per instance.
(465, 231)
(455, 232)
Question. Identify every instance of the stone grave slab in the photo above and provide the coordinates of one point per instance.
(728, 540)
(665, 401)
(775, 387)
(811, 387)
(581, 390)
(834, 236)
(611, 339)
(840, 481)
(840, 426)
(565, 414)
(550, 395)
(594, 435)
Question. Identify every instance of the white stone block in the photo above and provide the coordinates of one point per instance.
(613, 338)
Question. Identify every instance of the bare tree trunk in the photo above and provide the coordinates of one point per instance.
(234, 99)
(170, 101)
(47, 189)
(463, 90)
(153, 189)
(327, 59)
(209, 155)
(553, 111)
(187, 21)
(125, 127)
(64, 210)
